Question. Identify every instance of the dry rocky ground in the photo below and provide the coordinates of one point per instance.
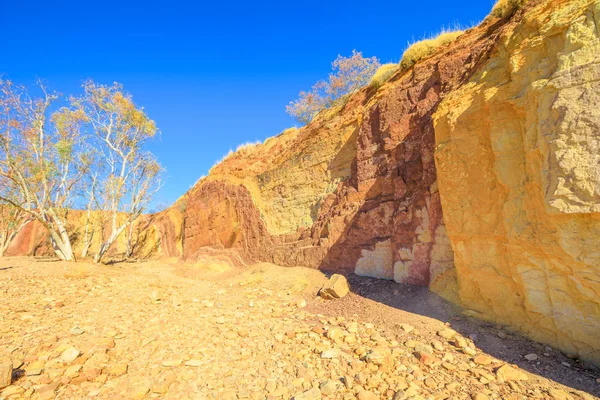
(168, 330)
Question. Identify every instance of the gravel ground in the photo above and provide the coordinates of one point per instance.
(175, 331)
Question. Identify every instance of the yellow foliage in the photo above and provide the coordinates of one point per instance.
(383, 74)
(504, 8)
(349, 74)
(420, 50)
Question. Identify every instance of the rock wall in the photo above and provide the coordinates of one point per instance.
(354, 191)
(518, 161)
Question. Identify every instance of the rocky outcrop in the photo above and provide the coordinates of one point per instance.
(518, 161)
(498, 130)
(354, 191)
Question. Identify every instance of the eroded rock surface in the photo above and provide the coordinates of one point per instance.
(519, 170)
(354, 191)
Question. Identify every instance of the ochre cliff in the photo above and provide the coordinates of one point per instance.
(476, 172)
(354, 191)
(518, 162)
(501, 124)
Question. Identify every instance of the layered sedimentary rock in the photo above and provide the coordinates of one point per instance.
(518, 161)
(354, 191)
(516, 142)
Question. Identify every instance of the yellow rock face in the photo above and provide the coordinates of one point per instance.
(290, 174)
(518, 161)
(378, 262)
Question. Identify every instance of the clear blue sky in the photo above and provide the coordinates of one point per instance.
(211, 74)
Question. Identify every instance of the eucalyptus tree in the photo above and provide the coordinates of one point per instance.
(87, 152)
(127, 177)
(43, 158)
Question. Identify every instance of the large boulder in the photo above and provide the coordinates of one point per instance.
(335, 288)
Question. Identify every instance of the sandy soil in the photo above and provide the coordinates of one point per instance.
(180, 331)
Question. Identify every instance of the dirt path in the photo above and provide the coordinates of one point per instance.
(157, 330)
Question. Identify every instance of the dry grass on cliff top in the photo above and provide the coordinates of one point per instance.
(250, 149)
(243, 149)
(425, 48)
(384, 73)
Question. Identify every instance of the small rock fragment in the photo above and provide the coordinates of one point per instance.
(34, 371)
(508, 373)
(271, 386)
(378, 356)
(12, 391)
(482, 359)
(447, 333)
(73, 371)
(437, 345)
(70, 354)
(335, 332)
(6, 368)
(399, 395)
(312, 394)
(329, 353)
(428, 359)
(46, 393)
(301, 303)
(364, 395)
(558, 394)
(352, 327)
(531, 357)
(76, 331)
(329, 387)
(194, 363)
(118, 369)
(139, 391)
(423, 348)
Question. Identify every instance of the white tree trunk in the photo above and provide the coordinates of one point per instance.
(109, 242)
(129, 251)
(89, 234)
(4, 242)
(61, 242)
(86, 244)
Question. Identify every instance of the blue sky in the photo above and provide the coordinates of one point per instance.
(211, 74)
